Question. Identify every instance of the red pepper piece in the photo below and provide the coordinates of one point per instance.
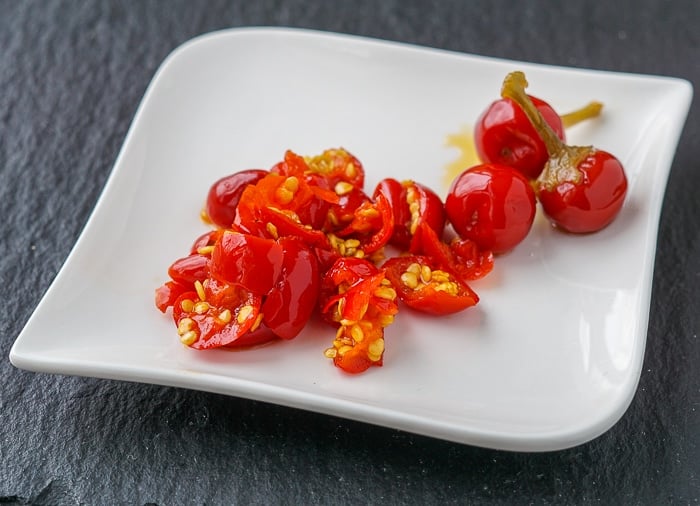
(338, 166)
(290, 303)
(424, 287)
(357, 297)
(225, 193)
(220, 318)
(169, 292)
(462, 257)
(252, 262)
(372, 225)
(412, 204)
(205, 242)
(189, 269)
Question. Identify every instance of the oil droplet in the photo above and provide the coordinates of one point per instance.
(464, 142)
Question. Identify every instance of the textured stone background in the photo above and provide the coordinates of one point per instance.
(71, 76)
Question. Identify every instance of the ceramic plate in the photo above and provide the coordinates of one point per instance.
(551, 356)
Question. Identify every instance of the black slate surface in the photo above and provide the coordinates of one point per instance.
(71, 76)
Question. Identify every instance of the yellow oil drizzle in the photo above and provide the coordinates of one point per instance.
(464, 142)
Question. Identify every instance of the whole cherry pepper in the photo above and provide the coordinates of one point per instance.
(504, 135)
(581, 188)
(492, 205)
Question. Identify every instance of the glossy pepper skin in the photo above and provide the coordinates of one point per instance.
(245, 290)
(290, 303)
(581, 188)
(225, 193)
(591, 202)
(504, 135)
(492, 205)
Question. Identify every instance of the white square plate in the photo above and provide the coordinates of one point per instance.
(551, 356)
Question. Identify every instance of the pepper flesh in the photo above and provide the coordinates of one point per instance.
(360, 301)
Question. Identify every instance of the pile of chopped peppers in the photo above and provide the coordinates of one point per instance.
(303, 240)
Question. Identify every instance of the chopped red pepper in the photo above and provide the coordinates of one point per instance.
(246, 260)
(461, 257)
(216, 314)
(168, 293)
(305, 236)
(338, 166)
(225, 193)
(359, 299)
(250, 285)
(372, 225)
(289, 305)
(412, 205)
(423, 287)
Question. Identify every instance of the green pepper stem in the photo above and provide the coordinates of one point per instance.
(588, 111)
(564, 160)
(514, 88)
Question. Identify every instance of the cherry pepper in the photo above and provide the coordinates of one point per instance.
(504, 135)
(581, 188)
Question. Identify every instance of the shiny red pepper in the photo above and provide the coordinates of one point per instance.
(492, 205)
(225, 193)
(581, 188)
(503, 135)
(254, 290)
